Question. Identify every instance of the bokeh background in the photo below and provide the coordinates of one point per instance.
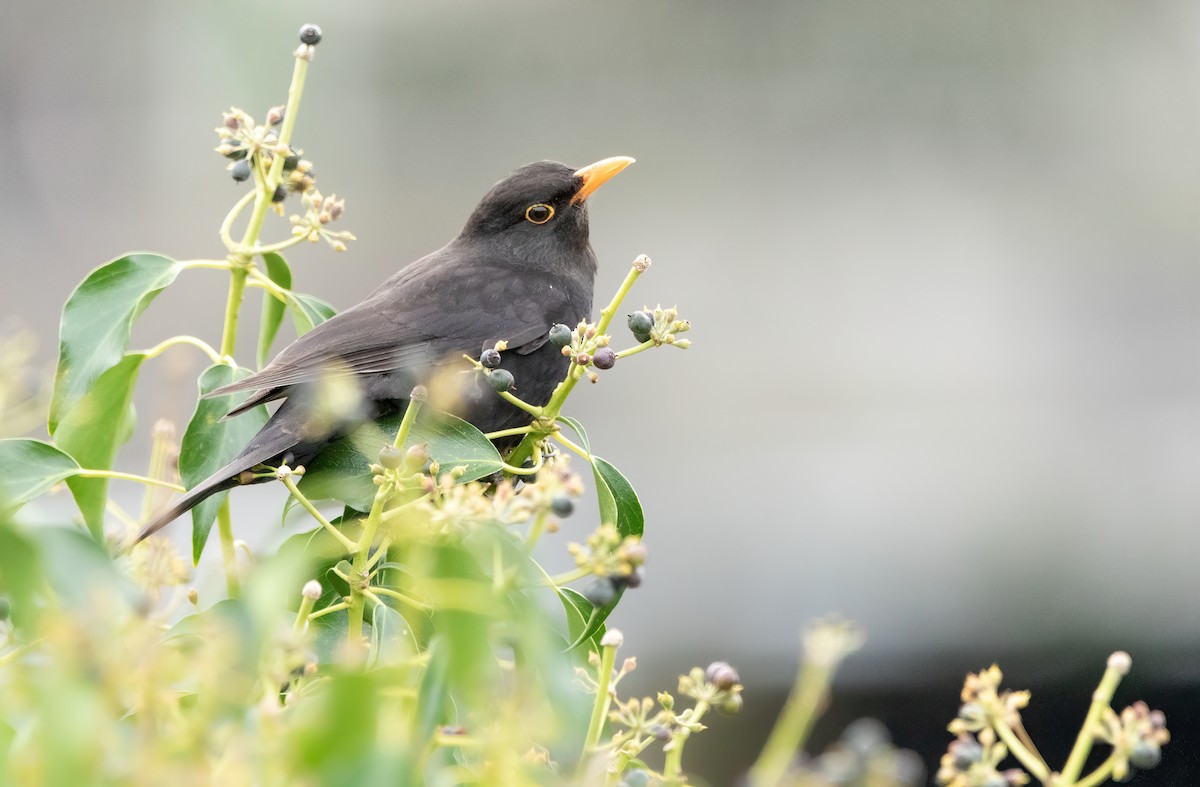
(940, 259)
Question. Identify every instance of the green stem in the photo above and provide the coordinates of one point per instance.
(338, 607)
(646, 345)
(302, 614)
(794, 724)
(1019, 750)
(228, 551)
(673, 766)
(1101, 774)
(608, 658)
(141, 479)
(409, 600)
(164, 345)
(360, 568)
(509, 432)
(552, 408)
(338, 535)
(1118, 667)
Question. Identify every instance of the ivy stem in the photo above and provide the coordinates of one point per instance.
(302, 615)
(673, 766)
(608, 658)
(228, 551)
(338, 607)
(1018, 749)
(338, 535)
(1101, 774)
(141, 479)
(241, 255)
(360, 567)
(795, 722)
(1118, 667)
(166, 344)
(552, 408)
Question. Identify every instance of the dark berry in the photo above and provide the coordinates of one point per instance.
(233, 149)
(604, 358)
(501, 380)
(721, 675)
(637, 778)
(562, 506)
(640, 324)
(280, 194)
(290, 162)
(390, 457)
(310, 34)
(240, 170)
(634, 580)
(490, 358)
(600, 593)
(965, 752)
(560, 335)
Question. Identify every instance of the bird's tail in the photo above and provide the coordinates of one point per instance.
(219, 481)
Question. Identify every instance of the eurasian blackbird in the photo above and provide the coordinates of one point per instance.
(521, 264)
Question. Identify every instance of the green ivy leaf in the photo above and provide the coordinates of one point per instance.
(30, 468)
(630, 519)
(92, 431)
(341, 471)
(309, 311)
(579, 613)
(209, 443)
(619, 503)
(273, 308)
(97, 320)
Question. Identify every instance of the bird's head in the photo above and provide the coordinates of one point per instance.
(541, 208)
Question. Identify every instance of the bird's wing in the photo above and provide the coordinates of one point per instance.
(414, 321)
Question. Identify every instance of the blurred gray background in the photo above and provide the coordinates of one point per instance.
(940, 259)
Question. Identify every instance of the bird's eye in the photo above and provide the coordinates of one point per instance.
(539, 213)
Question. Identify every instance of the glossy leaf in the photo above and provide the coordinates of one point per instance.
(209, 443)
(579, 612)
(30, 468)
(20, 567)
(97, 320)
(92, 431)
(630, 519)
(619, 503)
(309, 311)
(273, 308)
(342, 471)
(388, 635)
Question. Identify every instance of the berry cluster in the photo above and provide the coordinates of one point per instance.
(660, 326)
(616, 562)
(585, 346)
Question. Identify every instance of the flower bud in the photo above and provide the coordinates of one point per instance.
(312, 590)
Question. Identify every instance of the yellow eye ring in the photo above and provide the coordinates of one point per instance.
(539, 213)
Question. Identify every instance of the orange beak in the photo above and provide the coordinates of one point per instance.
(596, 175)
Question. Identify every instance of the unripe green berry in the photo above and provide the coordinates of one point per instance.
(560, 335)
(310, 34)
(640, 324)
(1145, 755)
(241, 170)
(604, 358)
(490, 358)
(636, 778)
(731, 705)
(390, 457)
(501, 380)
(562, 506)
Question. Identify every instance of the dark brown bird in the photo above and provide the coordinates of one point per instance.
(522, 263)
